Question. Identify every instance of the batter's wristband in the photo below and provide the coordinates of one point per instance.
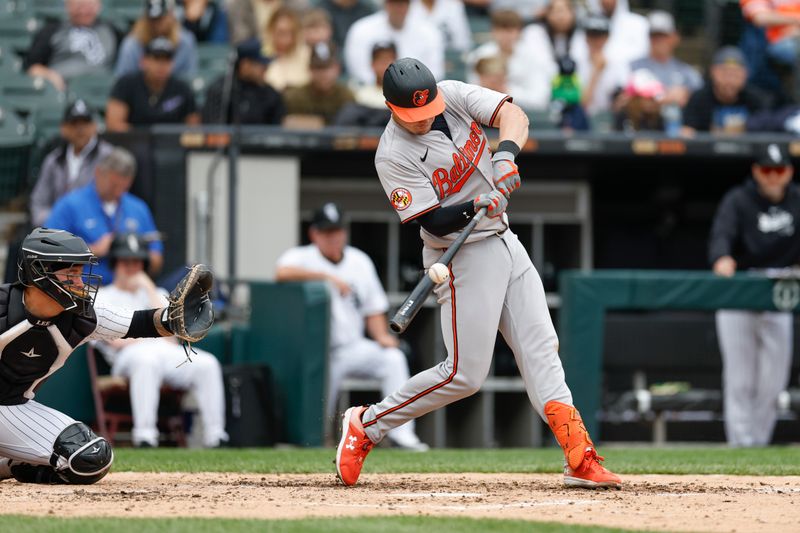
(509, 146)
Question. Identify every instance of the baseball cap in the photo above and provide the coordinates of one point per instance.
(323, 55)
(329, 216)
(728, 55)
(128, 246)
(160, 47)
(661, 22)
(410, 90)
(772, 155)
(596, 24)
(251, 49)
(78, 110)
(158, 8)
(383, 46)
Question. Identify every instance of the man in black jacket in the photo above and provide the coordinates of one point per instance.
(251, 98)
(756, 227)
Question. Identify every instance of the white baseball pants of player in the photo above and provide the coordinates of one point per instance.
(27, 433)
(367, 359)
(148, 363)
(756, 364)
(493, 286)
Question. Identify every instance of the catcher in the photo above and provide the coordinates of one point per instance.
(43, 318)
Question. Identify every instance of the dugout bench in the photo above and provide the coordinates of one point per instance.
(587, 296)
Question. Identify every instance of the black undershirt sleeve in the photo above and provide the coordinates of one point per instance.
(446, 220)
(142, 325)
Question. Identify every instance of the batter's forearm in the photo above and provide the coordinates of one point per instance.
(446, 220)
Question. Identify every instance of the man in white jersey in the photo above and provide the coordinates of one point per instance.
(434, 163)
(357, 302)
(147, 363)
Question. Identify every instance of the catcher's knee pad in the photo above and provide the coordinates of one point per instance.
(566, 423)
(79, 456)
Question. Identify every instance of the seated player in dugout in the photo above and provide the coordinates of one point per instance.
(434, 164)
(44, 317)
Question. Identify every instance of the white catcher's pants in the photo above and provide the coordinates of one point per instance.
(148, 363)
(367, 359)
(757, 356)
(27, 433)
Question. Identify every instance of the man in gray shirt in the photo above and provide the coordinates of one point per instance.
(71, 165)
(679, 79)
(81, 44)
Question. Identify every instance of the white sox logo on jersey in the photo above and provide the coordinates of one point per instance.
(451, 181)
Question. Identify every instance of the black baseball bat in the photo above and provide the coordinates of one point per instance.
(414, 301)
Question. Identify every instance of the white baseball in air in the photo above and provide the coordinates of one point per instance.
(438, 273)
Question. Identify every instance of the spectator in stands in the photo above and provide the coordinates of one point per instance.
(679, 79)
(72, 164)
(323, 96)
(289, 66)
(205, 19)
(528, 10)
(756, 227)
(629, 31)
(343, 14)
(150, 363)
(420, 39)
(601, 77)
(248, 19)
(369, 108)
(358, 302)
(492, 74)
(317, 27)
(152, 95)
(253, 100)
(781, 20)
(641, 103)
(724, 104)
(557, 38)
(158, 20)
(103, 208)
(82, 44)
(530, 90)
(451, 19)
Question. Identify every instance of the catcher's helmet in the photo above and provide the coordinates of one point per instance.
(46, 251)
(410, 90)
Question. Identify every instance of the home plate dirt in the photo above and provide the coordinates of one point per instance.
(675, 503)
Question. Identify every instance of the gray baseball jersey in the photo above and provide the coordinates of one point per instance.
(493, 284)
(422, 172)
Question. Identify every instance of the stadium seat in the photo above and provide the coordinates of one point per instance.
(46, 9)
(10, 63)
(17, 34)
(27, 95)
(454, 65)
(93, 88)
(213, 57)
(15, 147)
(541, 120)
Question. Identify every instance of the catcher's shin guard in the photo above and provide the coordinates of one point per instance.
(566, 424)
(79, 456)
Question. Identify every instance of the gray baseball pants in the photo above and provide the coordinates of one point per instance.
(493, 286)
(756, 361)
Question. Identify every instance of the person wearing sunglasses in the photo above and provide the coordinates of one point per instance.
(756, 227)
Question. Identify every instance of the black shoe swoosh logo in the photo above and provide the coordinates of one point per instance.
(424, 157)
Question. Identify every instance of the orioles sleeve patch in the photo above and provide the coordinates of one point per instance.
(400, 199)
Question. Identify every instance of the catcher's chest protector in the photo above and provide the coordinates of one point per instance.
(32, 349)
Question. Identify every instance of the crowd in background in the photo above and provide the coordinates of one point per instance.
(573, 64)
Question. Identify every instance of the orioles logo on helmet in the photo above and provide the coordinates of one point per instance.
(420, 98)
(400, 199)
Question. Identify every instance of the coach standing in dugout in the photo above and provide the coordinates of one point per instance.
(756, 228)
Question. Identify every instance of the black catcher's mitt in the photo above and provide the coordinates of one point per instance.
(190, 313)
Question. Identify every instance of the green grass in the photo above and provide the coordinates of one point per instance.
(777, 461)
(22, 524)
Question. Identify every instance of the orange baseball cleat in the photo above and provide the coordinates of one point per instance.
(591, 474)
(353, 447)
(582, 466)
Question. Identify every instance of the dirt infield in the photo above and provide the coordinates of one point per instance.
(676, 503)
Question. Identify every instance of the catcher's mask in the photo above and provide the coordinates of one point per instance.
(45, 252)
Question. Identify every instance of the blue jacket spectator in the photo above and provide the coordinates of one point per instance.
(158, 20)
(103, 208)
(206, 19)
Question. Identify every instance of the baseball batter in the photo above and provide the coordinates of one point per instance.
(43, 318)
(434, 163)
